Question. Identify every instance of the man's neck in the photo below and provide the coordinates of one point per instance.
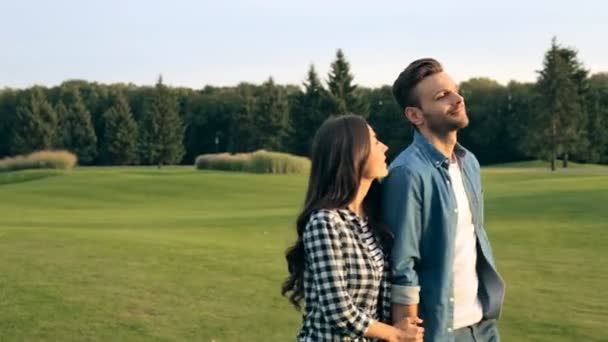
(444, 143)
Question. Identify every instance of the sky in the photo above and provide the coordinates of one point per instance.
(221, 43)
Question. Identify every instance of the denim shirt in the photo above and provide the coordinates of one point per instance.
(420, 207)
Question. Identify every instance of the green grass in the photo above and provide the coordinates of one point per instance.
(140, 254)
(546, 165)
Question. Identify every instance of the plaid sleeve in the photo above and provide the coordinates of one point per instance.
(323, 248)
(384, 300)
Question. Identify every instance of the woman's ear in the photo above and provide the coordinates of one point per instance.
(414, 115)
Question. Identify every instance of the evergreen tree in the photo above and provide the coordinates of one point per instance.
(161, 129)
(486, 103)
(271, 117)
(598, 118)
(560, 123)
(392, 128)
(8, 100)
(35, 123)
(519, 110)
(308, 111)
(62, 113)
(342, 90)
(243, 129)
(119, 133)
(76, 128)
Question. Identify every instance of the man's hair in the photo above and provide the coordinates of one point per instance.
(403, 88)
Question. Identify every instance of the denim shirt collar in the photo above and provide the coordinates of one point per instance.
(436, 157)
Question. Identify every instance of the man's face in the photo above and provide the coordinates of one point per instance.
(442, 106)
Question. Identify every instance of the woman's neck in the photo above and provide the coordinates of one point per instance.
(357, 204)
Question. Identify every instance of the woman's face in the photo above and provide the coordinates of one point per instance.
(376, 162)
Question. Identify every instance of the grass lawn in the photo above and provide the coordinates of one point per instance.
(140, 254)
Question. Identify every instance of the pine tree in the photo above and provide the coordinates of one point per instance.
(8, 103)
(35, 123)
(76, 128)
(388, 122)
(342, 90)
(119, 133)
(243, 130)
(598, 118)
(308, 112)
(62, 113)
(271, 117)
(560, 122)
(161, 130)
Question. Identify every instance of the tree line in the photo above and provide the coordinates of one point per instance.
(561, 116)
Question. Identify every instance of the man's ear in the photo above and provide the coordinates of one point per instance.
(414, 115)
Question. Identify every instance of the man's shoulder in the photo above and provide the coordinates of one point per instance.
(469, 157)
(411, 161)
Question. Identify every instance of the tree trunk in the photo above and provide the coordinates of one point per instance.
(565, 161)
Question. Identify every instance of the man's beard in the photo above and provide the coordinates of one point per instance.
(443, 124)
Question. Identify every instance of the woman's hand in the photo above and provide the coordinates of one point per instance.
(409, 330)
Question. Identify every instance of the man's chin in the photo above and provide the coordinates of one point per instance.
(461, 121)
(458, 125)
(463, 124)
(447, 126)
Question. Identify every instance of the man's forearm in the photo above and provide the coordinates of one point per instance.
(402, 311)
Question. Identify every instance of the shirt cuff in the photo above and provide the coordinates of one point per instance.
(405, 295)
(366, 326)
(359, 326)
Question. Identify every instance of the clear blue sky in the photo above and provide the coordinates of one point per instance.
(195, 43)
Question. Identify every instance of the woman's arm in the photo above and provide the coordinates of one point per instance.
(323, 247)
(408, 332)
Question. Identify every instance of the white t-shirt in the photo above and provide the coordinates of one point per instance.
(467, 307)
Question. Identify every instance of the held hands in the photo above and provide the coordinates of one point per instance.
(409, 330)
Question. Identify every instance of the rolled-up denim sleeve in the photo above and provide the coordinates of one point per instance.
(402, 212)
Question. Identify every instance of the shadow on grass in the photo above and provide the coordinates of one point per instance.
(14, 177)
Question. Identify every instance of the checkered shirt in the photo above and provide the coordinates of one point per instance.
(346, 283)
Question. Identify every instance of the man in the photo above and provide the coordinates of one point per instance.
(443, 270)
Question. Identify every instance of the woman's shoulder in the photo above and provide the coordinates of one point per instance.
(329, 216)
(326, 222)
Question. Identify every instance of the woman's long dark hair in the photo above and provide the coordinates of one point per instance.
(339, 152)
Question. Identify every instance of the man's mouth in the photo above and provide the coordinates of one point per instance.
(457, 112)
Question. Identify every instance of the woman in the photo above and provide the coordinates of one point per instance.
(338, 264)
